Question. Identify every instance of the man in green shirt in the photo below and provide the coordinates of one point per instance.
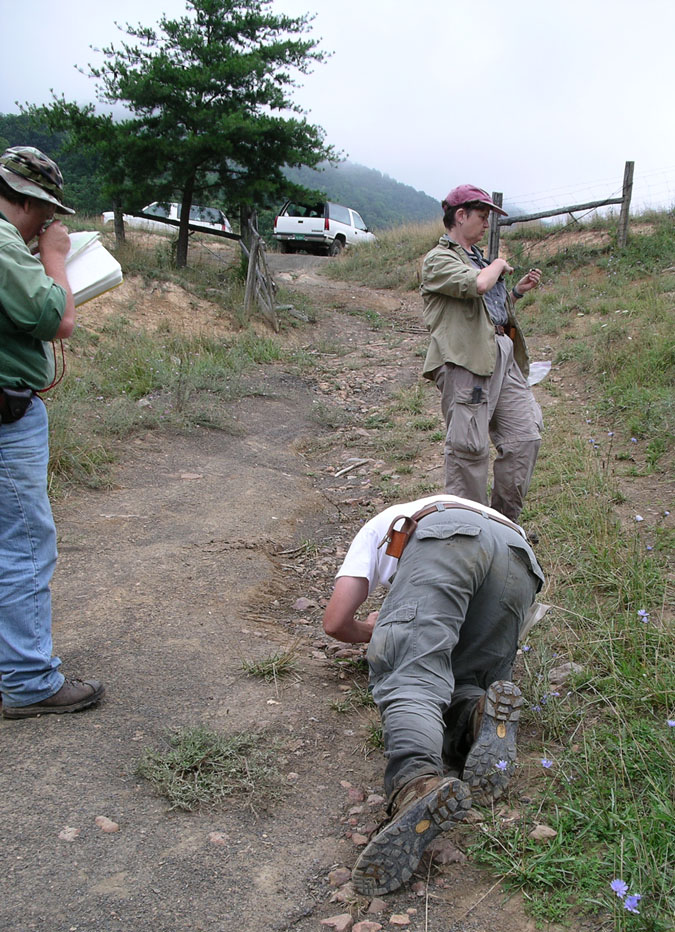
(36, 306)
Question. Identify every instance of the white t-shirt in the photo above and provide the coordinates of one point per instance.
(365, 560)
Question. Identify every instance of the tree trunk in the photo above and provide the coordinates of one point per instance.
(118, 220)
(247, 213)
(183, 232)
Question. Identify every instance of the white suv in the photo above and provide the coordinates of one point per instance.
(322, 227)
(211, 218)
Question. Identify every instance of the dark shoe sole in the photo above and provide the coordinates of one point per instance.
(495, 742)
(32, 711)
(391, 857)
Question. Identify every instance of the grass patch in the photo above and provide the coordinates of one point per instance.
(608, 794)
(122, 380)
(198, 767)
(358, 697)
(393, 261)
(374, 738)
(277, 666)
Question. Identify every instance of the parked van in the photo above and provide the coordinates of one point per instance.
(211, 218)
(322, 227)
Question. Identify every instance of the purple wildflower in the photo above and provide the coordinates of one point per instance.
(545, 762)
(536, 708)
(525, 648)
(649, 547)
(633, 439)
(670, 722)
(643, 615)
(610, 433)
(630, 903)
(502, 765)
(620, 887)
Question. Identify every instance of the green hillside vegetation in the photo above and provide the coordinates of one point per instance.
(382, 202)
(82, 186)
(607, 455)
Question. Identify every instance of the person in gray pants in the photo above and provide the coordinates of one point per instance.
(440, 662)
(478, 358)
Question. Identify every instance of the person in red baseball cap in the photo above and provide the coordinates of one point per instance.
(478, 358)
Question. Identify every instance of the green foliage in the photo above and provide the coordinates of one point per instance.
(609, 792)
(80, 170)
(207, 91)
(198, 767)
(644, 253)
(358, 697)
(382, 202)
(282, 663)
(393, 261)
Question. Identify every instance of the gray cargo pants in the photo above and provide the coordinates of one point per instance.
(448, 628)
(477, 408)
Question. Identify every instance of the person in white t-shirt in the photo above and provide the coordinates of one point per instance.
(440, 657)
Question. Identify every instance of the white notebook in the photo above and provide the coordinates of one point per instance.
(90, 268)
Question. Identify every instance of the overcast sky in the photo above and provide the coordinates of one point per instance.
(543, 101)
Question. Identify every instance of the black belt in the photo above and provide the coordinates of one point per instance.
(14, 402)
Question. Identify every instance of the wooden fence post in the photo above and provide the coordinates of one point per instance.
(622, 235)
(260, 286)
(249, 294)
(493, 238)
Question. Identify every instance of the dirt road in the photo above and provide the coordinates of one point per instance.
(190, 566)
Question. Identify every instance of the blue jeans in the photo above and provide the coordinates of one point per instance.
(28, 672)
(447, 629)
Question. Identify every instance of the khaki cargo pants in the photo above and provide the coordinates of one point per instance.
(477, 409)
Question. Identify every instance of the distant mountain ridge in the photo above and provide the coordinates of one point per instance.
(381, 201)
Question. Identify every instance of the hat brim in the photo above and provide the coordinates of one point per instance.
(497, 210)
(24, 186)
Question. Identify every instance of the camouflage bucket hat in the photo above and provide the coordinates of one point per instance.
(30, 172)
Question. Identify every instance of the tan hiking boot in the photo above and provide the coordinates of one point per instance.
(421, 810)
(491, 760)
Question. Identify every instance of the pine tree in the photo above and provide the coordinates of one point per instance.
(211, 93)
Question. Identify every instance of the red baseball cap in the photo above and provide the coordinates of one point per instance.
(466, 193)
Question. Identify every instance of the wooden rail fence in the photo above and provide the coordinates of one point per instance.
(496, 221)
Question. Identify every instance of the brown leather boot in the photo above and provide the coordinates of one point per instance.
(421, 809)
(73, 696)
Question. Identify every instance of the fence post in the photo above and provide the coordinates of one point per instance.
(625, 203)
(493, 237)
(249, 294)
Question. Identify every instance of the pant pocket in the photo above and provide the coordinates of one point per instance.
(390, 637)
(469, 426)
(523, 580)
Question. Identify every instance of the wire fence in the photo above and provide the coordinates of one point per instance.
(653, 189)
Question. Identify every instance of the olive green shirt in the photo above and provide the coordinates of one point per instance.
(461, 330)
(31, 308)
